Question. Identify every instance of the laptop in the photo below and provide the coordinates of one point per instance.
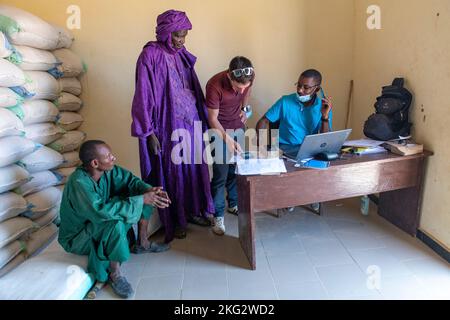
(330, 142)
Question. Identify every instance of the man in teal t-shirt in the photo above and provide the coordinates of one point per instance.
(300, 114)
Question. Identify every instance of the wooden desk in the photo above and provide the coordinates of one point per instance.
(398, 179)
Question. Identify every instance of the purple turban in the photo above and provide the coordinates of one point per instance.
(171, 21)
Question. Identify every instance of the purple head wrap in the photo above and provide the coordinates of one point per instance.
(171, 21)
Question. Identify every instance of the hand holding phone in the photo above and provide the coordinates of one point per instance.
(326, 104)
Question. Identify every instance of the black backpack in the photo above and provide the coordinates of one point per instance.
(391, 119)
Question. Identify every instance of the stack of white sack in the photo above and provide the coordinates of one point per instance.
(39, 136)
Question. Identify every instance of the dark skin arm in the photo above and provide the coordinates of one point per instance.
(263, 124)
(326, 108)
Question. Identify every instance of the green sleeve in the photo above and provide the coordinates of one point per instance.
(90, 204)
(127, 183)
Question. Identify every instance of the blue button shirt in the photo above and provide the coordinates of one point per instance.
(296, 120)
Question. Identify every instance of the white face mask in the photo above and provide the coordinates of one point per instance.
(304, 99)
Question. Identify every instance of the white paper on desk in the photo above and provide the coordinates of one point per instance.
(260, 166)
(372, 150)
(363, 143)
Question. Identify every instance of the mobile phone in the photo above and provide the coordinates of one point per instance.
(322, 93)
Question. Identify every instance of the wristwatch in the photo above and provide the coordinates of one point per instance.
(325, 119)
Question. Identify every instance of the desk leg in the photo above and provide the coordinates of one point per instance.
(246, 221)
(402, 207)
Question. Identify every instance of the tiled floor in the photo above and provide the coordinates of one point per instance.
(340, 255)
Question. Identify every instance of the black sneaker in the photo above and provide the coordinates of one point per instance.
(121, 287)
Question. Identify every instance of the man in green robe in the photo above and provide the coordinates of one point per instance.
(100, 203)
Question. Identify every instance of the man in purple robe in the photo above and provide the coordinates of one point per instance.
(168, 111)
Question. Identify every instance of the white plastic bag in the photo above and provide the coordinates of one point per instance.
(42, 85)
(32, 59)
(14, 228)
(39, 240)
(42, 202)
(68, 102)
(48, 218)
(12, 177)
(65, 173)
(5, 47)
(10, 124)
(69, 120)
(42, 159)
(70, 85)
(11, 205)
(71, 159)
(24, 28)
(39, 181)
(14, 148)
(65, 38)
(72, 65)
(43, 133)
(9, 98)
(10, 74)
(10, 251)
(39, 111)
(70, 141)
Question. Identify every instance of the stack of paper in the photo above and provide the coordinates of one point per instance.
(260, 166)
(363, 146)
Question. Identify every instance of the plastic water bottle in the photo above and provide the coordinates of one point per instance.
(365, 205)
(248, 111)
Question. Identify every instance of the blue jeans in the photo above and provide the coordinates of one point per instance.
(224, 177)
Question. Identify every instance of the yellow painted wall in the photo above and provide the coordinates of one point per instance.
(282, 38)
(279, 37)
(414, 42)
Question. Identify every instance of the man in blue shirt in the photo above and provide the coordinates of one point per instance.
(300, 114)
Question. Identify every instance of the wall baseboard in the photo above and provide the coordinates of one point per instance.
(436, 247)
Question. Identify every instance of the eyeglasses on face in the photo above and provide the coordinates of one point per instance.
(305, 87)
(242, 72)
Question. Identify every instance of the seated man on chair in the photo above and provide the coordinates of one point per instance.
(100, 203)
(300, 114)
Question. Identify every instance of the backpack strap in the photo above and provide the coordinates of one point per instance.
(398, 82)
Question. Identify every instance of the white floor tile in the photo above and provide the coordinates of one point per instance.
(388, 264)
(205, 286)
(345, 282)
(282, 243)
(159, 288)
(357, 239)
(326, 252)
(292, 268)
(403, 288)
(407, 248)
(165, 263)
(301, 291)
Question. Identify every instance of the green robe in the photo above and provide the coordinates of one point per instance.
(96, 216)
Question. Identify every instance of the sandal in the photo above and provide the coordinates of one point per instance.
(153, 248)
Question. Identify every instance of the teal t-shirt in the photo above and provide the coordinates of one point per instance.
(296, 120)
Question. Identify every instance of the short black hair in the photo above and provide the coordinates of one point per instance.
(240, 62)
(312, 73)
(88, 151)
